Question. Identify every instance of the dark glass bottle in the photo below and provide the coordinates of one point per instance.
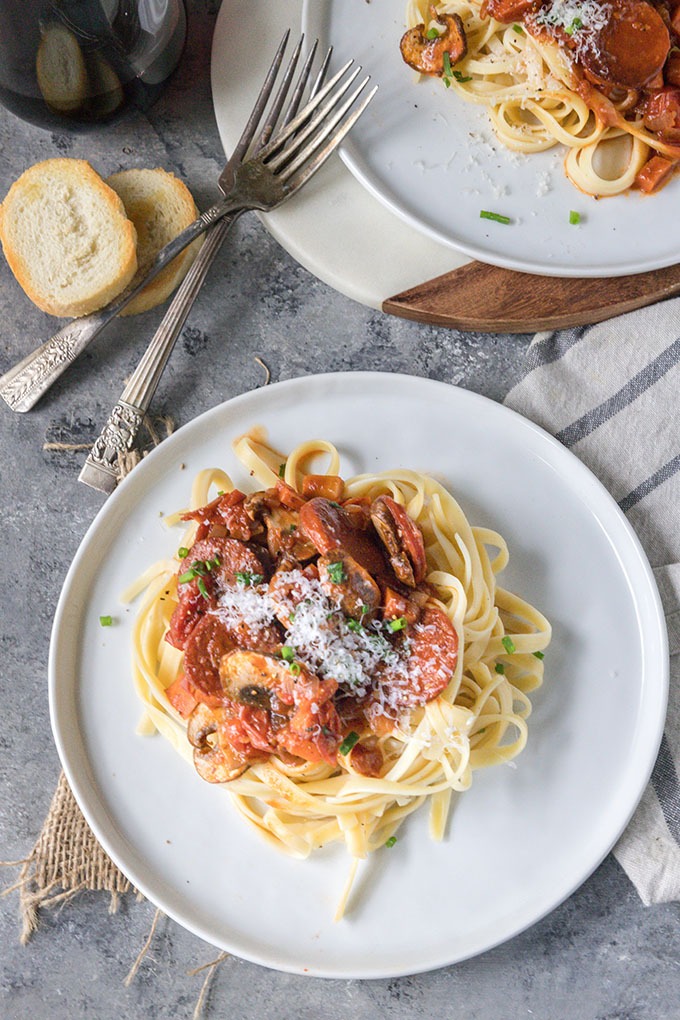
(82, 63)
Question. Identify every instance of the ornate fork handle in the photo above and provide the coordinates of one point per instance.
(100, 470)
(23, 385)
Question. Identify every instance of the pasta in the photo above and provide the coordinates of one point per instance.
(416, 747)
(575, 73)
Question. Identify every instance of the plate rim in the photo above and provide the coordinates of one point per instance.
(121, 499)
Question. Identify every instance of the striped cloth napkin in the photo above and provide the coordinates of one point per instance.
(611, 394)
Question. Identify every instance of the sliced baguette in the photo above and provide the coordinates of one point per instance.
(67, 238)
(160, 206)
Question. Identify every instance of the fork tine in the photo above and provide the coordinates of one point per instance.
(226, 177)
(294, 183)
(297, 122)
(280, 98)
(284, 154)
(296, 98)
(323, 71)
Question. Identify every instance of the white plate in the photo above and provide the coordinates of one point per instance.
(521, 839)
(433, 160)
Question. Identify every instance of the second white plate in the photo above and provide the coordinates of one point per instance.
(432, 159)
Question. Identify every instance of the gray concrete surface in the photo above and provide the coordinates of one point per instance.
(602, 955)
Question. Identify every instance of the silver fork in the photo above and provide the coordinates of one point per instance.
(281, 167)
(100, 470)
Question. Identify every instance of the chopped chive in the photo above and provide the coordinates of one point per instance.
(336, 572)
(574, 217)
(354, 625)
(462, 77)
(220, 492)
(202, 588)
(574, 26)
(539, 655)
(432, 33)
(500, 667)
(447, 82)
(295, 668)
(348, 743)
(518, 29)
(391, 841)
(105, 621)
(245, 578)
(399, 624)
(364, 610)
(182, 552)
(187, 576)
(288, 653)
(282, 470)
(508, 644)
(497, 217)
(448, 70)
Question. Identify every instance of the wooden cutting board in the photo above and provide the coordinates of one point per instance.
(481, 298)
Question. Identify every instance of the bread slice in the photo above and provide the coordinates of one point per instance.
(160, 206)
(67, 238)
(60, 69)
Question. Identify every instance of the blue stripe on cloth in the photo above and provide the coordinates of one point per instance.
(644, 379)
(553, 347)
(650, 484)
(667, 788)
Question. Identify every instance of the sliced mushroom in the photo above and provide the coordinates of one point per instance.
(215, 762)
(427, 55)
(402, 539)
(258, 680)
(345, 581)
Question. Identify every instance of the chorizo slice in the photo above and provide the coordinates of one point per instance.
(427, 55)
(431, 662)
(212, 639)
(330, 527)
(631, 49)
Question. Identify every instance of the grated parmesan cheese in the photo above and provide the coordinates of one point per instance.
(361, 659)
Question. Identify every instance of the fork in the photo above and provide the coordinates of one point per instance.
(277, 172)
(100, 470)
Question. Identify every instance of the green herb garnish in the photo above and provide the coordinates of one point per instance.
(462, 77)
(348, 743)
(182, 552)
(448, 70)
(497, 217)
(508, 644)
(391, 841)
(282, 470)
(354, 626)
(539, 655)
(399, 624)
(500, 667)
(336, 572)
(518, 29)
(295, 668)
(574, 218)
(288, 653)
(574, 26)
(202, 588)
(245, 578)
(432, 33)
(105, 621)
